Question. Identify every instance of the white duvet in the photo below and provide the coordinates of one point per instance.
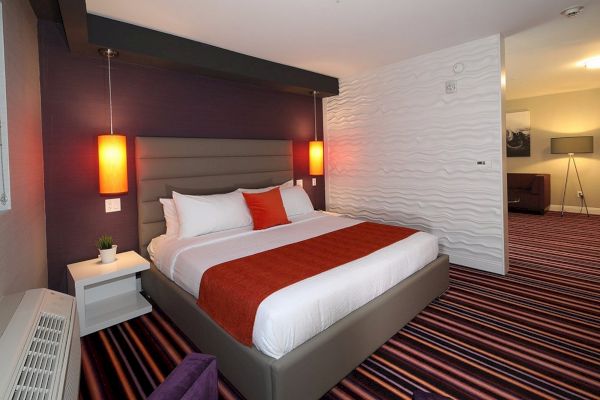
(293, 315)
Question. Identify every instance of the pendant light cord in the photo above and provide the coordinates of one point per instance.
(3, 196)
(110, 94)
(315, 111)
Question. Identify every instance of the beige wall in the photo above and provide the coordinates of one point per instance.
(564, 114)
(23, 228)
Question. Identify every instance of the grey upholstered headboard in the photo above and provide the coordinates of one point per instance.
(201, 166)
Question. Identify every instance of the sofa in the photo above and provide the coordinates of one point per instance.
(195, 378)
(528, 192)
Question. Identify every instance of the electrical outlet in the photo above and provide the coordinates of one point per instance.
(314, 181)
(450, 87)
(580, 194)
(300, 182)
(112, 205)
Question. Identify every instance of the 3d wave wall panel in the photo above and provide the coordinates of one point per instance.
(402, 150)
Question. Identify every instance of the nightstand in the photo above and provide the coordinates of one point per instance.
(107, 294)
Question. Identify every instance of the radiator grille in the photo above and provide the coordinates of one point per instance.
(35, 378)
(71, 391)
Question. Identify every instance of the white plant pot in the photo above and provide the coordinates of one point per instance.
(108, 255)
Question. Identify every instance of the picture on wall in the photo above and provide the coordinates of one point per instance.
(518, 140)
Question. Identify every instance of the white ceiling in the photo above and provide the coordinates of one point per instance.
(343, 37)
(548, 58)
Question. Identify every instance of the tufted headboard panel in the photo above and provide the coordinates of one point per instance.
(201, 166)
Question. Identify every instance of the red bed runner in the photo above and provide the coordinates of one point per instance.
(231, 292)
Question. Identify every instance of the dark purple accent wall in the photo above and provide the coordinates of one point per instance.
(147, 101)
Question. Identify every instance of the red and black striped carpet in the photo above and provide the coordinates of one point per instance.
(533, 334)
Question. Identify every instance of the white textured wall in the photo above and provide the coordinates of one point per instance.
(400, 150)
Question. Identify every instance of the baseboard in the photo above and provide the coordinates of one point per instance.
(477, 263)
(575, 209)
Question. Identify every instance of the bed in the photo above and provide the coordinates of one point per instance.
(302, 371)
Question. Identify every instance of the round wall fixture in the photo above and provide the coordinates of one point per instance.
(458, 68)
(572, 11)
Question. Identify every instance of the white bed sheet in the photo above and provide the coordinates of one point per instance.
(293, 315)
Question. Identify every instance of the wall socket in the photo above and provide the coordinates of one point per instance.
(450, 87)
(580, 194)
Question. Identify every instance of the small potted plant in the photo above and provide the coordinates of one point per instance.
(108, 250)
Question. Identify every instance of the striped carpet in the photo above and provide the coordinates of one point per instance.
(533, 334)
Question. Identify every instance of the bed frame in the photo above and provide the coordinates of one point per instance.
(200, 166)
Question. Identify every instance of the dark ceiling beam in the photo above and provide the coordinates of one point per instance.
(206, 59)
(87, 32)
(74, 17)
(46, 9)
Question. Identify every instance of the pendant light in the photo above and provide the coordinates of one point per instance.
(315, 147)
(112, 148)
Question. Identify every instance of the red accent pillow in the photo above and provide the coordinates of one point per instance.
(266, 209)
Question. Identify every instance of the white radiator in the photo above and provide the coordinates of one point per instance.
(39, 346)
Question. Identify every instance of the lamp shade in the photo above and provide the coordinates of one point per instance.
(112, 158)
(572, 144)
(315, 157)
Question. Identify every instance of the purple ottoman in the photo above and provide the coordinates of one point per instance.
(195, 378)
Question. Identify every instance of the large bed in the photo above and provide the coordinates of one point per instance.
(408, 274)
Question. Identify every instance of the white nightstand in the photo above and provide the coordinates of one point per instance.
(107, 294)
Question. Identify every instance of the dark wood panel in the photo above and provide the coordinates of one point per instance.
(87, 32)
(46, 9)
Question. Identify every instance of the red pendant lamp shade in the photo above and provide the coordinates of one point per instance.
(315, 148)
(112, 149)
(315, 157)
(112, 158)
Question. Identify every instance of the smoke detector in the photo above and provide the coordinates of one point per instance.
(572, 11)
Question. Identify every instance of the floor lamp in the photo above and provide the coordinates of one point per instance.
(572, 145)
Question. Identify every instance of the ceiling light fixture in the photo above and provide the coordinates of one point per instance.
(592, 63)
(572, 11)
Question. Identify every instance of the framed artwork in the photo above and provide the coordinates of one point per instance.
(518, 140)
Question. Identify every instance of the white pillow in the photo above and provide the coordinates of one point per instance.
(199, 215)
(296, 201)
(170, 216)
(285, 185)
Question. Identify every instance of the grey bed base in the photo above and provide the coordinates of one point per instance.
(204, 166)
(314, 367)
